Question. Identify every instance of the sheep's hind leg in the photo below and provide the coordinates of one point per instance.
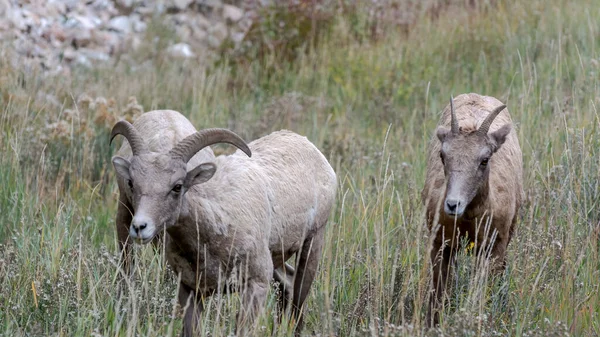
(285, 279)
(306, 270)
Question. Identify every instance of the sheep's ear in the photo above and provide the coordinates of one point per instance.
(121, 166)
(442, 133)
(499, 136)
(200, 174)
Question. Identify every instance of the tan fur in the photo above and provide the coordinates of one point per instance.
(253, 215)
(500, 195)
(236, 228)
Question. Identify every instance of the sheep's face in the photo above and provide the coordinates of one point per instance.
(467, 158)
(156, 184)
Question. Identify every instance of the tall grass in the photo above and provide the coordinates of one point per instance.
(371, 106)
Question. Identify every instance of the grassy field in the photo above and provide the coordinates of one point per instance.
(371, 106)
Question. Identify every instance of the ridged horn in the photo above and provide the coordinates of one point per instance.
(453, 120)
(193, 143)
(485, 126)
(136, 142)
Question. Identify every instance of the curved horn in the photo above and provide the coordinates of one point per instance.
(453, 120)
(193, 143)
(127, 130)
(485, 126)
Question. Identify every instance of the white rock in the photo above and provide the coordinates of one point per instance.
(180, 4)
(82, 60)
(95, 55)
(5, 8)
(17, 19)
(137, 24)
(232, 13)
(180, 51)
(238, 37)
(121, 24)
(81, 21)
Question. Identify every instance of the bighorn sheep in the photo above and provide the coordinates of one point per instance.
(474, 175)
(161, 130)
(233, 218)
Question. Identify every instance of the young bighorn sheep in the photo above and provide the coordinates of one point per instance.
(474, 179)
(160, 130)
(233, 218)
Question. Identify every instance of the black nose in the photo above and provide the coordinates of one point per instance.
(452, 204)
(140, 227)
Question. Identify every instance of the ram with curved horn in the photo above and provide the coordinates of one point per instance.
(234, 221)
(473, 188)
(154, 131)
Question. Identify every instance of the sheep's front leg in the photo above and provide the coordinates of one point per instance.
(253, 301)
(122, 223)
(193, 309)
(497, 256)
(440, 262)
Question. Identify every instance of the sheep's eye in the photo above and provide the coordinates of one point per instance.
(442, 157)
(177, 188)
(130, 183)
(484, 162)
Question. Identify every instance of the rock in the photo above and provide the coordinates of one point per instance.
(80, 21)
(16, 19)
(69, 55)
(132, 43)
(81, 38)
(183, 32)
(55, 9)
(180, 51)
(121, 24)
(57, 34)
(238, 37)
(149, 12)
(54, 33)
(210, 4)
(219, 31)
(5, 8)
(201, 22)
(232, 13)
(125, 5)
(137, 24)
(199, 34)
(179, 4)
(95, 55)
(106, 39)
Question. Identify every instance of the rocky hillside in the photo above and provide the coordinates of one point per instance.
(57, 34)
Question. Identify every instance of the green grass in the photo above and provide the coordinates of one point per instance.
(371, 107)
